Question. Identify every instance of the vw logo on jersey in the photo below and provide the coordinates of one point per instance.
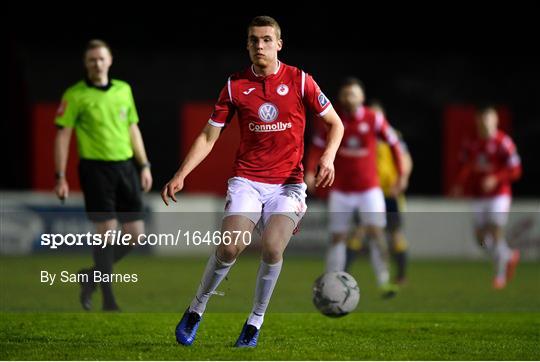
(282, 90)
(353, 142)
(268, 112)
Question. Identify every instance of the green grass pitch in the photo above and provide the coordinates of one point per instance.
(447, 311)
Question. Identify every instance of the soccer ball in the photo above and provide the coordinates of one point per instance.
(336, 294)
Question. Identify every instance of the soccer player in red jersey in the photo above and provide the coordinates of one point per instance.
(270, 99)
(357, 184)
(489, 166)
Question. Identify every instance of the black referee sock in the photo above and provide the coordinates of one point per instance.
(103, 259)
(120, 251)
(401, 262)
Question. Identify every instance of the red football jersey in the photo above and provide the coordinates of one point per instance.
(272, 116)
(356, 159)
(493, 156)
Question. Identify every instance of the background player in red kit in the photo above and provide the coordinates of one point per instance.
(357, 185)
(270, 99)
(490, 164)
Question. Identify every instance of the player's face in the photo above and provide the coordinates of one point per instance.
(97, 62)
(487, 123)
(351, 97)
(263, 45)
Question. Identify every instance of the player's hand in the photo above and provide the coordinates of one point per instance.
(146, 179)
(400, 186)
(489, 183)
(62, 189)
(171, 188)
(325, 172)
(404, 184)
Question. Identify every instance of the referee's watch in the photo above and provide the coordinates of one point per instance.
(145, 165)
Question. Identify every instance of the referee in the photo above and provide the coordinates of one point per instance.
(103, 114)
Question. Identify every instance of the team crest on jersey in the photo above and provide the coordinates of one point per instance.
(323, 101)
(123, 113)
(282, 90)
(363, 127)
(268, 112)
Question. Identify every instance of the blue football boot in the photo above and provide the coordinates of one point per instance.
(248, 336)
(186, 330)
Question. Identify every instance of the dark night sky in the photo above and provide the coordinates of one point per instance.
(439, 27)
(417, 57)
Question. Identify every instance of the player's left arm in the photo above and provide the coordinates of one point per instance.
(314, 154)
(326, 172)
(388, 135)
(407, 165)
(315, 99)
(511, 170)
(139, 152)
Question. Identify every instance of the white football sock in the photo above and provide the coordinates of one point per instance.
(266, 281)
(489, 245)
(378, 261)
(503, 253)
(216, 270)
(336, 257)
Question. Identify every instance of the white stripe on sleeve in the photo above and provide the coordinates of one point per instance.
(303, 83)
(216, 124)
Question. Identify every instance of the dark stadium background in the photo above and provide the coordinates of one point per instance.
(420, 59)
(417, 60)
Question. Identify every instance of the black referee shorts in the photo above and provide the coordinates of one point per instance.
(112, 190)
(393, 214)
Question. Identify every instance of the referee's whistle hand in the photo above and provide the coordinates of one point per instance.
(171, 188)
(62, 189)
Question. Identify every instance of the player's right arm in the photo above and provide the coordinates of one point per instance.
(61, 152)
(66, 117)
(222, 115)
(197, 153)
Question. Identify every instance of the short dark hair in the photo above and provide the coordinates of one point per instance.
(265, 20)
(97, 43)
(350, 81)
(483, 108)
